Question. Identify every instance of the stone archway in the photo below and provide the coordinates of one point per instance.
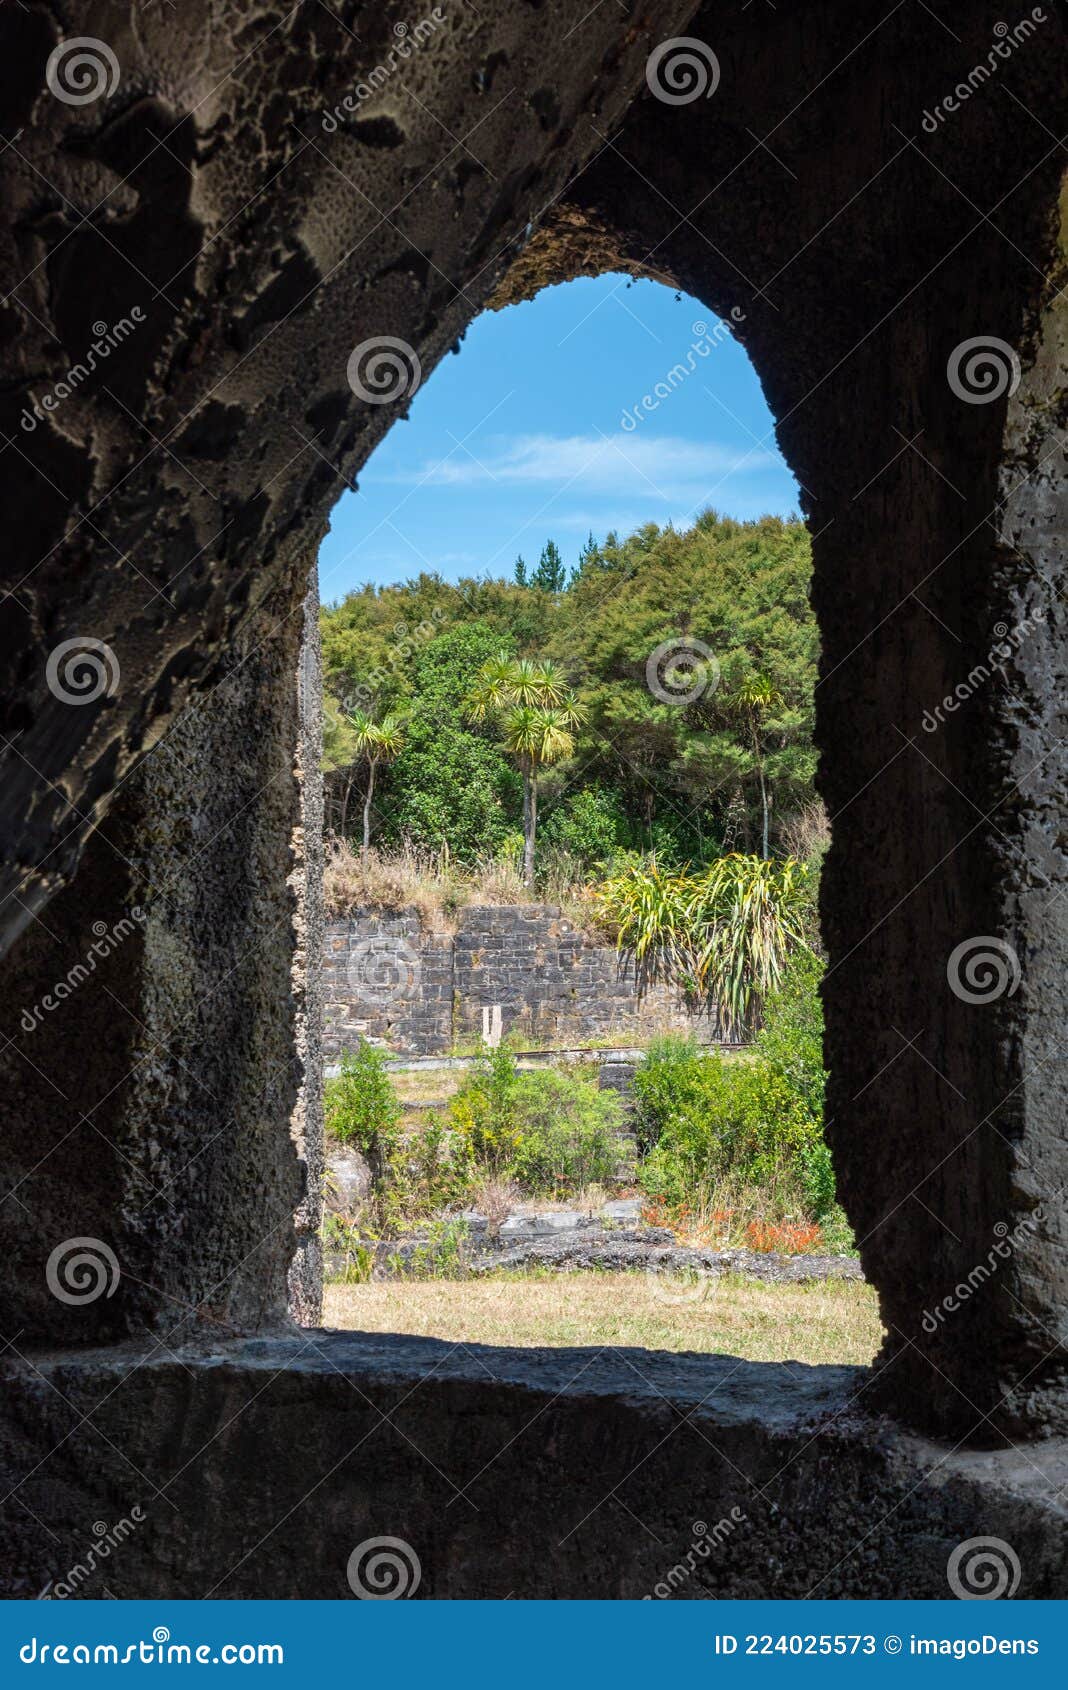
(169, 506)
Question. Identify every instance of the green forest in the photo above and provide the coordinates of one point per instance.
(677, 723)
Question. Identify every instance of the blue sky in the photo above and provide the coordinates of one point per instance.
(537, 429)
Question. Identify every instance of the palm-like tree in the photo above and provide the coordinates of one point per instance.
(537, 712)
(492, 689)
(374, 743)
(751, 702)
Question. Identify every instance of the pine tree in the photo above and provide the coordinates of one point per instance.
(589, 559)
(550, 574)
(521, 572)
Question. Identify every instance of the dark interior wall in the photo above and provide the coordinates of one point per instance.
(173, 502)
(306, 884)
(204, 189)
(149, 1109)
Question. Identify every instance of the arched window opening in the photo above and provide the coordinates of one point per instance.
(573, 847)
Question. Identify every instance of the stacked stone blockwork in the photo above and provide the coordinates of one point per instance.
(521, 970)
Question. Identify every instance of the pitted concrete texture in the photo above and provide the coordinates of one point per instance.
(306, 1268)
(260, 1466)
(151, 1110)
(259, 241)
(169, 505)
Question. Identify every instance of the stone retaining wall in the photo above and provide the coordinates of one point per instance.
(521, 968)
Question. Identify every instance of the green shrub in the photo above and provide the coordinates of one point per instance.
(589, 825)
(566, 1132)
(730, 1117)
(667, 1085)
(443, 1254)
(550, 1131)
(361, 1106)
(428, 1169)
(482, 1109)
(791, 1039)
(757, 1119)
(818, 1177)
(341, 1239)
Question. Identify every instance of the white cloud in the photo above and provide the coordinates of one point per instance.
(679, 471)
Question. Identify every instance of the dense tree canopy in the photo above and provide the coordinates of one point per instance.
(693, 658)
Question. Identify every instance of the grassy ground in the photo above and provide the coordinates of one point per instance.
(836, 1321)
(427, 1085)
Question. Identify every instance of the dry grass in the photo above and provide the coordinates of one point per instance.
(807, 833)
(427, 1085)
(403, 880)
(496, 1199)
(836, 1321)
(437, 887)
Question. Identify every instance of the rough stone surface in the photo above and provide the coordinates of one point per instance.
(349, 1180)
(938, 527)
(152, 1109)
(418, 990)
(306, 1268)
(260, 247)
(570, 1242)
(169, 507)
(261, 1465)
(653, 1251)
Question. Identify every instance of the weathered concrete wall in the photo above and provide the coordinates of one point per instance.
(504, 1473)
(306, 1268)
(168, 508)
(419, 991)
(160, 520)
(150, 1109)
(205, 189)
(921, 408)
